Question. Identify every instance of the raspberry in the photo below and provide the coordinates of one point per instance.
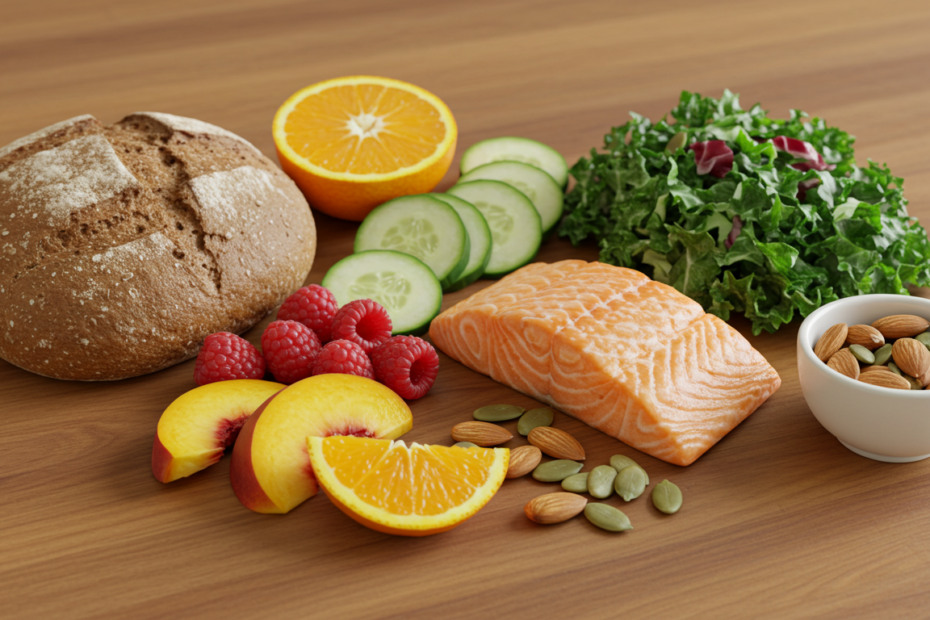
(364, 322)
(406, 364)
(314, 306)
(344, 357)
(225, 356)
(290, 349)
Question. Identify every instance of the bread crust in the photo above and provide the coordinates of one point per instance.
(122, 247)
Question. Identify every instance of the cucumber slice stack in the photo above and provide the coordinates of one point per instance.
(539, 187)
(516, 229)
(403, 284)
(479, 237)
(516, 149)
(421, 226)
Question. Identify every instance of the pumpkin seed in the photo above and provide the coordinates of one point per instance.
(464, 444)
(631, 482)
(677, 141)
(576, 483)
(620, 462)
(541, 416)
(556, 471)
(882, 355)
(894, 368)
(607, 517)
(862, 354)
(666, 497)
(923, 339)
(601, 481)
(498, 413)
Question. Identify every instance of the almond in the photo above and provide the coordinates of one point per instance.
(554, 507)
(924, 378)
(844, 363)
(866, 336)
(885, 379)
(481, 433)
(556, 443)
(901, 326)
(523, 460)
(874, 369)
(911, 356)
(831, 341)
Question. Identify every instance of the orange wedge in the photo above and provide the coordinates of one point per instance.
(415, 491)
(353, 143)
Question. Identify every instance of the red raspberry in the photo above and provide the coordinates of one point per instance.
(364, 322)
(406, 364)
(344, 357)
(290, 349)
(314, 306)
(227, 356)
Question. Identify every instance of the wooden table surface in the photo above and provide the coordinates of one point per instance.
(779, 520)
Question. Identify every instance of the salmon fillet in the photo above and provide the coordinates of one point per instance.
(631, 357)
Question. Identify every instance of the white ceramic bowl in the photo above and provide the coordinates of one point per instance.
(879, 423)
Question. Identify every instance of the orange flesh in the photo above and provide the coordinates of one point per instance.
(364, 129)
(426, 480)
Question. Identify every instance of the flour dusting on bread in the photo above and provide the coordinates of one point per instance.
(43, 133)
(62, 180)
(225, 198)
(193, 126)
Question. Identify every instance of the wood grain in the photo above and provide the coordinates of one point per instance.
(779, 519)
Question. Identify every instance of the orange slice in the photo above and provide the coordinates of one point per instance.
(413, 491)
(353, 143)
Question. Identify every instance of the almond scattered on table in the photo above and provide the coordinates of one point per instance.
(556, 443)
(523, 460)
(482, 434)
(554, 507)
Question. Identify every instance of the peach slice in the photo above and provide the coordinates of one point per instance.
(270, 469)
(199, 425)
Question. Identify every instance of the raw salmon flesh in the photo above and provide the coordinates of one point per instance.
(631, 357)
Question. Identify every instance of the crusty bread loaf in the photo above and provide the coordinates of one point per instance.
(123, 247)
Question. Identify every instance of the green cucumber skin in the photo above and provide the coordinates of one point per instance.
(494, 272)
(468, 278)
(495, 170)
(512, 145)
(427, 291)
(363, 234)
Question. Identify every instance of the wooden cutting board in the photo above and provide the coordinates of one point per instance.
(779, 520)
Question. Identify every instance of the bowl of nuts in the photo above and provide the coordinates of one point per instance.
(864, 366)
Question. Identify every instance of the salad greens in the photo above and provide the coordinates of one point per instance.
(777, 234)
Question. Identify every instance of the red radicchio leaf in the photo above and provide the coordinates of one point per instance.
(802, 150)
(734, 232)
(713, 156)
(803, 186)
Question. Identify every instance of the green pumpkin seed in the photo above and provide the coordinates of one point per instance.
(923, 339)
(631, 482)
(894, 368)
(541, 416)
(862, 354)
(882, 355)
(498, 413)
(607, 517)
(601, 481)
(620, 462)
(464, 444)
(556, 471)
(666, 497)
(576, 483)
(677, 141)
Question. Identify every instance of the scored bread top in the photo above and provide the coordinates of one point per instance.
(122, 247)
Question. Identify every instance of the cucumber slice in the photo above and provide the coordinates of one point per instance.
(516, 149)
(479, 240)
(516, 230)
(539, 187)
(403, 284)
(421, 226)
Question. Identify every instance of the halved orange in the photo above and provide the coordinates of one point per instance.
(413, 491)
(352, 143)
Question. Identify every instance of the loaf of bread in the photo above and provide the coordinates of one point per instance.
(122, 247)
